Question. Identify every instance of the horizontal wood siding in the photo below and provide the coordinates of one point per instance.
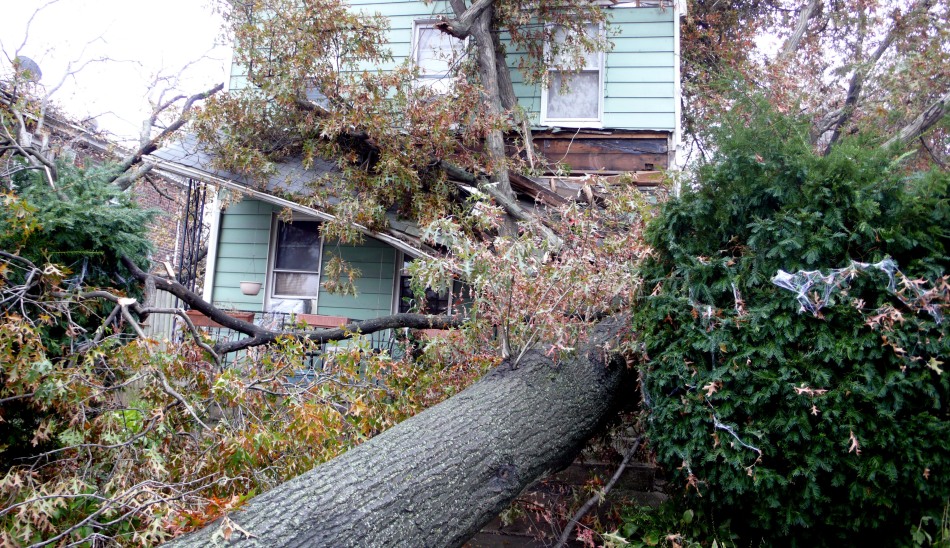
(640, 77)
(377, 264)
(243, 241)
(243, 249)
(640, 91)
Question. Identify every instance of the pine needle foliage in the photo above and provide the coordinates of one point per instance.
(84, 229)
(803, 428)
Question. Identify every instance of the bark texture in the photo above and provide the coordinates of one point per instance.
(437, 478)
(923, 122)
(793, 41)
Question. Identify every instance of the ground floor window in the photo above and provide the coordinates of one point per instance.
(447, 302)
(297, 253)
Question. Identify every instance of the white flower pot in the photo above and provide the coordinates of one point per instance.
(250, 288)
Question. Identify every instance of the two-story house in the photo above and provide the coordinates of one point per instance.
(620, 114)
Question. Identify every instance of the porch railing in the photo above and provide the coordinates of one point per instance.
(388, 340)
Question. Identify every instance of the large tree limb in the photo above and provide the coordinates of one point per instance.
(260, 336)
(927, 119)
(393, 321)
(461, 26)
(795, 39)
(496, 78)
(506, 88)
(437, 478)
(509, 204)
(476, 22)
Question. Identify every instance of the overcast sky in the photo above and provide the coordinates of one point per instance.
(145, 37)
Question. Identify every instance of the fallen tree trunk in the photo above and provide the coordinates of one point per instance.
(437, 478)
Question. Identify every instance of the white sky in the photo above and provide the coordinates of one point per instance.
(149, 37)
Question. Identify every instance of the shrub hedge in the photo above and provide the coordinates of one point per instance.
(802, 428)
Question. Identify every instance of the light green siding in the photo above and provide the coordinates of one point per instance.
(639, 81)
(244, 239)
(243, 242)
(376, 262)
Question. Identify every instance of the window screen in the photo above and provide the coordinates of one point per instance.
(574, 95)
(297, 259)
(435, 54)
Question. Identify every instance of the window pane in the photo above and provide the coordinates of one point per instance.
(296, 284)
(574, 96)
(591, 59)
(436, 50)
(298, 246)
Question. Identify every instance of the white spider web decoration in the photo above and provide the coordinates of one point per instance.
(814, 290)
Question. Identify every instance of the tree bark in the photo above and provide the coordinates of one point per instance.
(437, 478)
(793, 41)
(478, 25)
(924, 121)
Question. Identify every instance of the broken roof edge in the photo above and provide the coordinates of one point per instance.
(397, 239)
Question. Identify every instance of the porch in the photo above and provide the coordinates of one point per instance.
(392, 342)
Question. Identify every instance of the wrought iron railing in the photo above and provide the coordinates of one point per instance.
(388, 341)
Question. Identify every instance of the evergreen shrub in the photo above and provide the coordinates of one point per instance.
(84, 225)
(802, 428)
(75, 234)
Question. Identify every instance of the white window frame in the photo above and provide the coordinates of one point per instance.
(601, 68)
(272, 264)
(438, 82)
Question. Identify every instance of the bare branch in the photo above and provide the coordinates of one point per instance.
(932, 154)
(181, 399)
(17, 397)
(923, 122)
(72, 71)
(29, 24)
(795, 39)
(365, 327)
(259, 336)
(862, 71)
(149, 145)
(566, 534)
(196, 336)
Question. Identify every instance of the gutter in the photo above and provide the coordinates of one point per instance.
(177, 170)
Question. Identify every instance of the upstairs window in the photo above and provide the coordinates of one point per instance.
(435, 53)
(575, 99)
(297, 254)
